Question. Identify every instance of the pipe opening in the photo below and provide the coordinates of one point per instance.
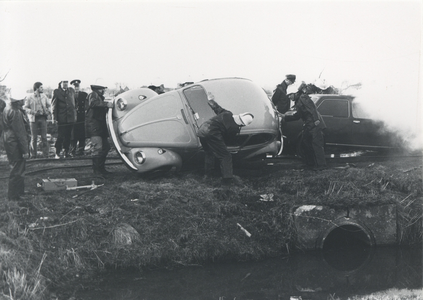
(347, 247)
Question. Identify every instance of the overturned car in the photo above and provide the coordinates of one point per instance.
(159, 132)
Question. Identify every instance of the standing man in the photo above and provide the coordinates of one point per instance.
(63, 104)
(38, 109)
(214, 132)
(280, 98)
(78, 132)
(96, 128)
(15, 138)
(313, 127)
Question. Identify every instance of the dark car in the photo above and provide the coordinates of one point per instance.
(348, 126)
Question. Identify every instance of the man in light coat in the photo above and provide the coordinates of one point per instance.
(38, 109)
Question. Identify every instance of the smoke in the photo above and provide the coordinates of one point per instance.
(396, 105)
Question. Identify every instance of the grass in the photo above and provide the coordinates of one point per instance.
(180, 219)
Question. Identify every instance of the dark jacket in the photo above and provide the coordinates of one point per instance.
(222, 125)
(95, 118)
(16, 132)
(81, 105)
(280, 98)
(63, 105)
(307, 111)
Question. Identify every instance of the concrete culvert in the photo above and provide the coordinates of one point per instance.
(347, 247)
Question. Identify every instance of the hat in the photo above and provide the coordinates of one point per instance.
(291, 77)
(37, 85)
(17, 96)
(98, 87)
(243, 119)
(75, 82)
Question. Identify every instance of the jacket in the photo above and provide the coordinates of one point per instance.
(95, 118)
(280, 98)
(16, 133)
(81, 105)
(63, 105)
(35, 108)
(307, 111)
(221, 126)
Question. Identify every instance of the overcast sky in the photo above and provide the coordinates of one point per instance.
(139, 43)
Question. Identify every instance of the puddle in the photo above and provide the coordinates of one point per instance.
(315, 275)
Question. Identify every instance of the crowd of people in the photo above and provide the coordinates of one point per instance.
(79, 116)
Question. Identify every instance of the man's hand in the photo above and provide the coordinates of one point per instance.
(110, 104)
(316, 123)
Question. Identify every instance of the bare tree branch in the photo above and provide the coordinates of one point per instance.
(5, 76)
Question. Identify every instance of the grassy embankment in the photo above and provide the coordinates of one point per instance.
(179, 219)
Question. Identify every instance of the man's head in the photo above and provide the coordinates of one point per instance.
(76, 83)
(243, 119)
(38, 87)
(65, 84)
(290, 79)
(99, 89)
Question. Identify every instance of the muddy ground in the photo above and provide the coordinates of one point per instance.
(57, 238)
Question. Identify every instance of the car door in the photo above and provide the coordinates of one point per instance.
(336, 114)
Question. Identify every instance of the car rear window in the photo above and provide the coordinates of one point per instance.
(334, 108)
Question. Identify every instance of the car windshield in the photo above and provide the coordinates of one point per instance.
(197, 100)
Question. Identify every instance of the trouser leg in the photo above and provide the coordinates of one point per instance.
(16, 179)
(209, 158)
(43, 133)
(308, 149)
(67, 137)
(60, 138)
(220, 151)
(318, 147)
(104, 151)
(34, 136)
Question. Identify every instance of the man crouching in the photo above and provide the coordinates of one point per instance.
(214, 132)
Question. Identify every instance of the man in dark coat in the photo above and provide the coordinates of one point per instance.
(313, 126)
(280, 98)
(63, 106)
(16, 135)
(96, 128)
(214, 132)
(78, 131)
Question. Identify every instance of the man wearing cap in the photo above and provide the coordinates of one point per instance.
(313, 141)
(214, 132)
(63, 106)
(38, 109)
(16, 134)
(96, 128)
(280, 98)
(78, 131)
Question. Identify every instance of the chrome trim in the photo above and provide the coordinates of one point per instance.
(115, 140)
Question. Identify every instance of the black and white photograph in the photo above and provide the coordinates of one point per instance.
(211, 150)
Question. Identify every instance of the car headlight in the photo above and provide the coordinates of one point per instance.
(121, 104)
(140, 157)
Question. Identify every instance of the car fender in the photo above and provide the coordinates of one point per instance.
(154, 158)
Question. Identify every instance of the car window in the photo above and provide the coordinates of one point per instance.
(197, 99)
(358, 111)
(334, 108)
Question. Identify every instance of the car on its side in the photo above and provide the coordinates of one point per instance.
(159, 132)
(348, 126)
